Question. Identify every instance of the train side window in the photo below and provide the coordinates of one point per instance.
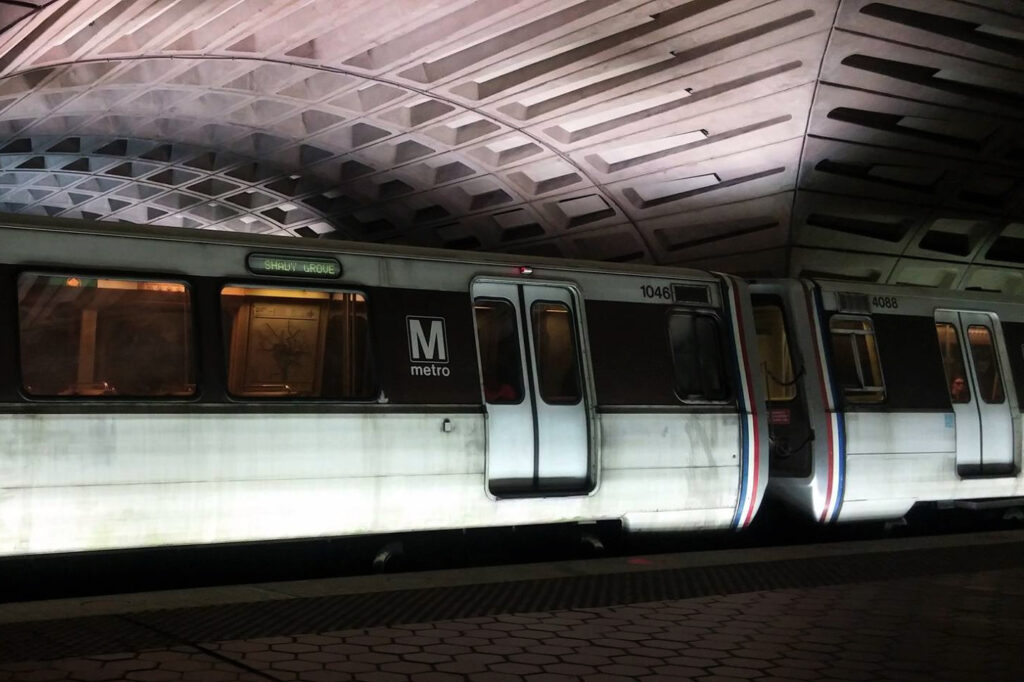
(855, 359)
(696, 344)
(990, 385)
(773, 347)
(555, 347)
(297, 343)
(105, 337)
(500, 355)
(953, 363)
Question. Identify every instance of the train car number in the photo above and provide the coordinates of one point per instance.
(885, 302)
(652, 291)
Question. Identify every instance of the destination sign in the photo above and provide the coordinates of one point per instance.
(688, 293)
(286, 266)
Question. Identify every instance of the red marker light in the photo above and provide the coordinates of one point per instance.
(525, 270)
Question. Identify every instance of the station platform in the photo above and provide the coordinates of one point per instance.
(946, 608)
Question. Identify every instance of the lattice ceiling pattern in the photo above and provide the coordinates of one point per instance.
(874, 140)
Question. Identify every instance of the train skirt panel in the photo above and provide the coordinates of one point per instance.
(88, 482)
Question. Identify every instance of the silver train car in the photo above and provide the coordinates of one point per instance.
(881, 397)
(167, 387)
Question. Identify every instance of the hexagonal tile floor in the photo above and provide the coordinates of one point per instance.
(950, 625)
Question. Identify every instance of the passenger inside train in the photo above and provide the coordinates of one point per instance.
(958, 391)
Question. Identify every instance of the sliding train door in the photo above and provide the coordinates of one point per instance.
(538, 439)
(970, 345)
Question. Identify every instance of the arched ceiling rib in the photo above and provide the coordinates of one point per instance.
(875, 140)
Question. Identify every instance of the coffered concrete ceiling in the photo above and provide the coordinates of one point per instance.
(876, 140)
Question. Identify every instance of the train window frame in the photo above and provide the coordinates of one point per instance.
(966, 397)
(792, 384)
(576, 348)
(523, 386)
(995, 362)
(224, 335)
(880, 391)
(193, 333)
(724, 373)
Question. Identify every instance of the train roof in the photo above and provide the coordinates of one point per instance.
(336, 247)
(333, 246)
(922, 292)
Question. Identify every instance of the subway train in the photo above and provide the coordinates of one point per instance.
(164, 387)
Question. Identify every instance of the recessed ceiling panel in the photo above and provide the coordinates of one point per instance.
(687, 131)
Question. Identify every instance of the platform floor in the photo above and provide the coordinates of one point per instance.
(947, 608)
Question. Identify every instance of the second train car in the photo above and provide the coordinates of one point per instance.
(880, 397)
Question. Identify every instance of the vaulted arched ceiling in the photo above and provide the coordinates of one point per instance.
(875, 140)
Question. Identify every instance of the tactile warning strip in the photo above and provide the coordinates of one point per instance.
(164, 628)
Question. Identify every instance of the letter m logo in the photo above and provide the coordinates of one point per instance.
(428, 341)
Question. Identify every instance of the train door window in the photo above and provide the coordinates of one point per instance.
(990, 386)
(696, 344)
(855, 359)
(953, 362)
(773, 347)
(105, 337)
(555, 348)
(500, 356)
(297, 343)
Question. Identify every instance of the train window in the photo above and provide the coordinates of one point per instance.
(105, 337)
(773, 347)
(696, 345)
(555, 348)
(297, 343)
(500, 355)
(990, 386)
(855, 359)
(953, 363)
